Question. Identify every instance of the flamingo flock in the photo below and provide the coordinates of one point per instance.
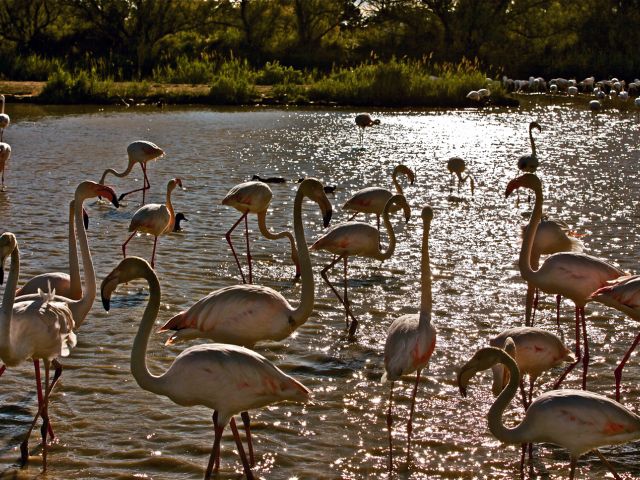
(39, 320)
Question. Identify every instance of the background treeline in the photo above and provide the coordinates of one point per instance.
(184, 40)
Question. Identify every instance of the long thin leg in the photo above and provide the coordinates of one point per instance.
(578, 353)
(247, 428)
(531, 381)
(153, 254)
(228, 237)
(523, 394)
(354, 216)
(572, 473)
(346, 298)
(45, 415)
(618, 371)
(215, 451)
(124, 245)
(145, 185)
(36, 367)
(558, 300)
(243, 456)
(2, 369)
(389, 426)
(585, 358)
(246, 234)
(607, 463)
(323, 274)
(410, 423)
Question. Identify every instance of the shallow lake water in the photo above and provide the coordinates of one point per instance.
(108, 427)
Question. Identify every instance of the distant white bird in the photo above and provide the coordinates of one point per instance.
(4, 119)
(154, 218)
(411, 339)
(5, 155)
(226, 378)
(473, 95)
(364, 120)
(637, 101)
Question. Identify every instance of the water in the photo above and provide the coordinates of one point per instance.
(110, 428)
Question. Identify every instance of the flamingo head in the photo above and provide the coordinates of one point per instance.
(314, 190)
(533, 125)
(127, 270)
(483, 359)
(8, 244)
(143, 151)
(173, 183)
(406, 171)
(427, 213)
(528, 180)
(400, 201)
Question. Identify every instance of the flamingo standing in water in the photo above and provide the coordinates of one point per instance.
(622, 294)
(364, 120)
(576, 420)
(411, 339)
(361, 239)
(374, 199)
(37, 329)
(570, 274)
(255, 197)
(5, 155)
(529, 163)
(226, 378)
(154, 218)
(4, 119)
(140, 151)
(457, 166)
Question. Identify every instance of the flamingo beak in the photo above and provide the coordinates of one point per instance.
(85, 218)
(2, 273)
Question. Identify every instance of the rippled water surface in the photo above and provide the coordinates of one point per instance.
(110, 428)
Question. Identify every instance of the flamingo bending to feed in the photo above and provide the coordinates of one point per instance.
(577, 420)
(5, 155)
(570, 274)
(623, 294)
(4, 119)
(529, 163)
(358, 239)
(226, 378)
(364, 120)
(154, 218)
(552, 236)
(411, 339)
(374, 199)
(140, 151)
(36, 329)
(457, 166)
(255, 197)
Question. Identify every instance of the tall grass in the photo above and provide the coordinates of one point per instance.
(198, 71)
(233, 84)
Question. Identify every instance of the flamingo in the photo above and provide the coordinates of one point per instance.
(529, 163)
(623, 294)
(255, 197)
(37, 329)
(140, 151)
(552, 236)
(154, 218)
(576, 420)
(5, 155)
(361, 239)
(226, 378)
(411, 339)
(374, 199)
(364, 120)
(457, 166)
(4, 119)
(570, 274)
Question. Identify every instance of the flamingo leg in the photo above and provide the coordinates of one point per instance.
(618, 370)
(153, 254)
(214, 459)
(379, 236)
(558, 300)
(228, 237)
(246, 234)
(243, 456)
(578, 353)
(45, 415)
(411, 410)
(585, 358)
(572, 472)
(607, 464)
(247, 428)
(389, 427)
(124, 245)
(524, 395)
(2, 369)
(323, 274)
(354, 216)
(145, 186)
(531, 305)
(346, 299)
(36, 366)
(531, 381)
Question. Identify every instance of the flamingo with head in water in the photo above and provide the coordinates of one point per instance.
(457, 166)
(364, 120)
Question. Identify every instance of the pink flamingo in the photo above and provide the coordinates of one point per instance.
(140, 152)
(154, 218)
(364, 120)
(577, 420)
(373, 199)
(361, 239)
(411, 339)
(622, 294)
(457, 166)
(529, 163)
(255, 197)
(226, 378)
(5, 155)
(570, 274)
(4, 119)
(37, 329)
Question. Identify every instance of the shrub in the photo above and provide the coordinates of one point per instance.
(274, 73)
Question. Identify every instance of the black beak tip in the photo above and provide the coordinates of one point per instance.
(1, 276)
(85, 220)
(106, 303)
(116, 201)
(463, 391)
(327, 218)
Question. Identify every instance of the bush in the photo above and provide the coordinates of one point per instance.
(233, 84)
(34, 68)
(274, 73)
(186, 71)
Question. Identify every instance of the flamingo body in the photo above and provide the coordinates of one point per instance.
(623, 294)
(350, 238)
(5, 155)
(251, 197)
(364, 120)
(4, 119)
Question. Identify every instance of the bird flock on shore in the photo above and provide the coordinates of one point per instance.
(40, 320)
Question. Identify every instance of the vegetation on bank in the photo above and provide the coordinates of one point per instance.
(234, 82)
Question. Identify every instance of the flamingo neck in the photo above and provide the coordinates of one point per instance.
(262, 225)
(304, 309)
(524, 262)
(172, 215)
(117, 174)
(75, 287)
(392, 236)
(497, 428)
(8, 299)
(80, 308)
(394, 179)
(139, 368)
(533, 144)
(426, 302)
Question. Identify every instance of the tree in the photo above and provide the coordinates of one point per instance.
(26, 22)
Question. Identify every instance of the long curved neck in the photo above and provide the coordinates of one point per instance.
(8, 299)
(305, 307)
(262, 225)
(139, 368)
(80, 308)
(396, 184)
(497, 428)
(524, 262)
(113, 172)
(533, 144)
(75, 287)
(172, 215)
(392, 236)
(426, 302)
